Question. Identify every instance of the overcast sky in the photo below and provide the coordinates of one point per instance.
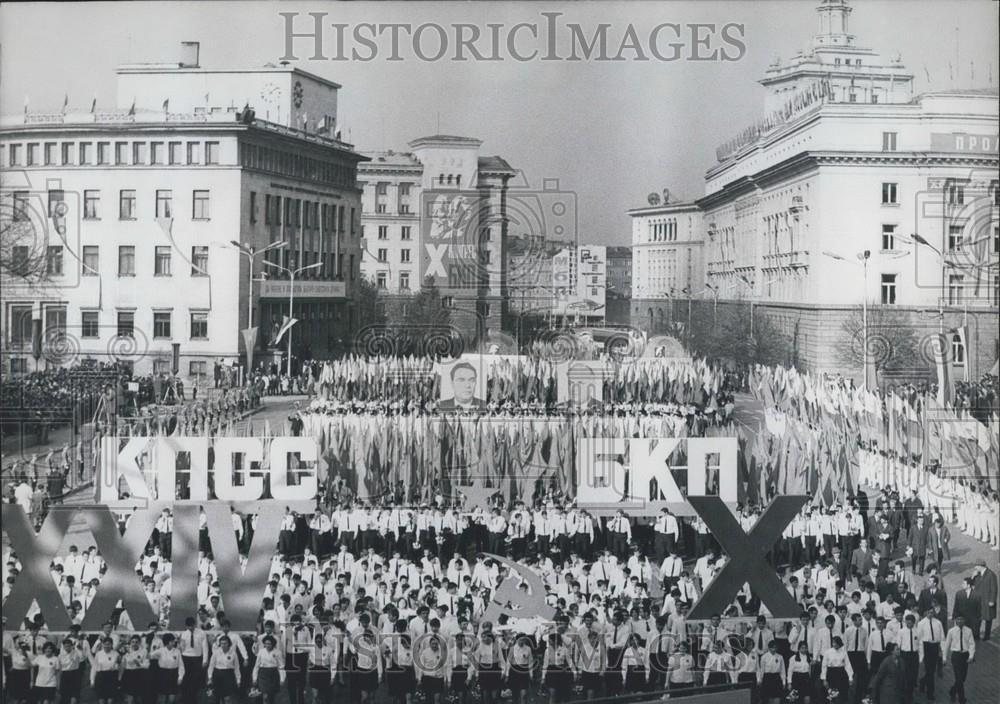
(611, 132)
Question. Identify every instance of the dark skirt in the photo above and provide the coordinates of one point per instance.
(460, 681)
(106, 684)
(772, 686)
(135, 682)
(837, 678)
(224, 683)
(432, 685)
(518, 680)
(802, 683)
(166, 680)
(366, 680)
(715, 678)
(47, 694)
(319, 678)
(18, 684)
(591, 681)
(489, 678)
(70, 682)
(635, 679)
(559, 678)
(268, 680)
(401, 681)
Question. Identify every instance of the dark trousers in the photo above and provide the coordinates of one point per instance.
(193, 679)
(989, 627)
(911, 666)
(932, 657)
(960, 666)
(859, 663)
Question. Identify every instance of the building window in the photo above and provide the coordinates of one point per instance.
(57, 203)
(126, 260)
(888, 141)
(156, 152)
(199, 326)
(90, 202)
(139, 153)
(958, 350)
(126, 323)
(956, 286)
(161, 324)
(380, 279)
(194, 152)
(20, 209)
(447, 301)
(161, 366)
(126, 205)
(198, 369)
(32, 155)
(380, 208)
(50, 153)
(91, 260)
(383, 232)
(121, 153)
(19, 260)
(404, 189)
(211, 153)
(67, 153)
(20, 325)
(161, 263)
(164, 204)
(200, 209)
(90, 325)
(406, 233)
(104, 153)
(888, 237)
(383, 255)
(381, 189)
(404, 209)
(253, 208)
(54, 260)
(955, 237)
(404, 256)
(956, 194)
(55, 323)
(852, 98)
(15, 155)
(404, 281)
(888, 289)
(889, 194)
(199, 261)
(176, 153)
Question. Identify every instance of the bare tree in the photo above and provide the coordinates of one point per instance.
(23, 246)
(892, 341)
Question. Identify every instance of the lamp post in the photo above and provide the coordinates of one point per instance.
(292, 273)
(250, 252)
(863, 258)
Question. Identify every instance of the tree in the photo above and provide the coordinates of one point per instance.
(23, 248)
(722, 333)
(892, 341)
(419, 324)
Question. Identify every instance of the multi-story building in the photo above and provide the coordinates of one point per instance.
(667, 240)
(619, 285)
(830, 199)
(138, 210)
(439, 211)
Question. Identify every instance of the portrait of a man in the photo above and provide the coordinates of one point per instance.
(463, 385)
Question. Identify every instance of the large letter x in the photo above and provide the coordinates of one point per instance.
(746, 552)
(121, 553)
(35, 553)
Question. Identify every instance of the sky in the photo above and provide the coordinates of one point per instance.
(611, 132)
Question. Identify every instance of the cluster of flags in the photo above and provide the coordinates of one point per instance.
(813, 428)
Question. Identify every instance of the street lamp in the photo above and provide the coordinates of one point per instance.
(292, 273)
(863, 258)
(250, 252)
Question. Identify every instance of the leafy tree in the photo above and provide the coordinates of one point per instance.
(892, 341)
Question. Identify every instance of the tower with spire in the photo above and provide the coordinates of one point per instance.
(850, 73)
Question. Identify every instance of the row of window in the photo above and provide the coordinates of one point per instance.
(383, 256)
(307, 214)
(405, 232)
(955, 243)
(382, 188)
(382, 280)
(128, 208)
(261, 158)
(663, 231)
(113, 153)
(90, 259)
(954, 192)
(90, 324)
